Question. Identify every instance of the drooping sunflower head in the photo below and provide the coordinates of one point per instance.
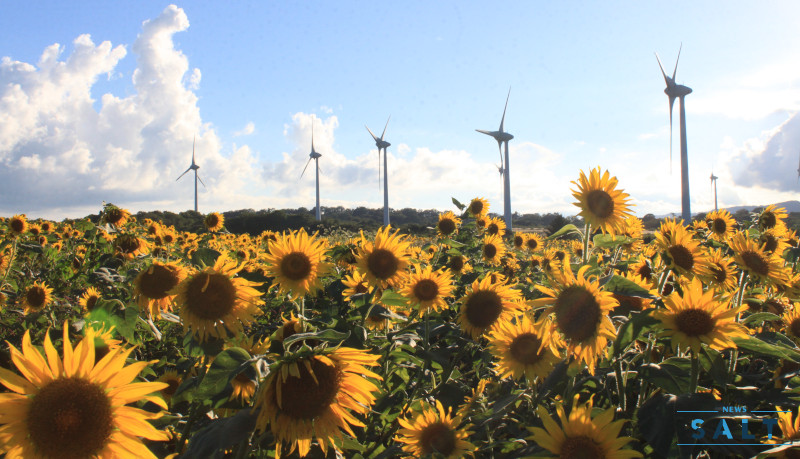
(448, 224)
(36, 297)
(478, 207)
(496, 226)
(89, 299)
(759, 265)
(434, 432)
(115, 216)
(314, 396)
(493, 249)
(602, 205)
(427, 289)
(152, 286)
(770, 217)
(130, 246)
(721, 225)
(214, 302)
(698, 317)
(524, 348)
(214, 221)
(295, 261)
(383, 261)
(487, 304)
(17, 225)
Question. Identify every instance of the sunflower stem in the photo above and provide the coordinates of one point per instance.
(302, 317)
(695, 375)
(586, 243)
(739, 299)
(620, 384)
(662, 281)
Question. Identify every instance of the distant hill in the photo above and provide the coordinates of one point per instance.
(790, 206)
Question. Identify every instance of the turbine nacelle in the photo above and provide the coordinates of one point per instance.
(677, 90)
(314, 155)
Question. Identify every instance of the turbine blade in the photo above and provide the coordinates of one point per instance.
(384, 128)
(198, 178)
(312, 135)
(304, 169)
(676, 63)
(193, 144)
(370, 133)
(484, 132)
(503, 119)
(666, 78)
(184, 173)
(500, 150)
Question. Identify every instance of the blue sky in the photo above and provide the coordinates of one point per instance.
(110, 113)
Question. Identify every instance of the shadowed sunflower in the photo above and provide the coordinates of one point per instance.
(496, 226)
(493, 249)
(36, 297)
(152, 287)
(316, 396)
(602, 205)
(448, 224)
(486, 305)
(434, 432)
(524, 348)
(698, 317)
(775, 239)
(173, 381)
(480, 222)
(581, 435)
(115, 216)
(791, 322)
(720, 225)
(130, 246)
(759, 265)
(771, 217)
(683, 254)
(72, 407)
(627, 303)
(17, 225)
(215, 303)
(214, 221)
(384, 260)
(581, 313)
(426, 289)
(89, 299)
(478, 207)
(295, 262)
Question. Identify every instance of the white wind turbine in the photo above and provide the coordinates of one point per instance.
(503, 137)
(714, 184)
(315, 156)
(383, 145)
(678, 91)
(194, 168)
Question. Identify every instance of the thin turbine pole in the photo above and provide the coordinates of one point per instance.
(385, 189)
(715, 195)
(195, 190)
(319, 215)
(507, 193)
(685, 208)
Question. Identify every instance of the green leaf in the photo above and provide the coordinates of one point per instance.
(225, 367)
(672, 379)
(452, 243)
(627, 287)
(328, 335)
(759, 318)
(222, 434)
(638, 323)
(209, 347)
(566, 229)
(458, 204)
(392, 298)
(204, 256)
(759, 347)
(607, 241)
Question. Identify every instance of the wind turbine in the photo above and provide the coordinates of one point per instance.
(383, 145)
(798, 172)
(315, 156)
(679, 91)
(501, 137)
(714, 184)
(194, 168)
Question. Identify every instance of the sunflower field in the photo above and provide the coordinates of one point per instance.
(131, 339)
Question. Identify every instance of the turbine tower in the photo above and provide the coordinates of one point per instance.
(383, 145)
(501, 137)
(194, 168)
(714, 184)
(798, 172)
(678, 91)
(315, 156)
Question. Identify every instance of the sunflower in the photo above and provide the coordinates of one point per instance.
(104, 341)
(683, 254)
(775, 239)
(458, 264)
(478, 207)
(37, 296)
(496, 226)
(89, 299)
(5, 262)
(356, 284)
(295, 262)
(602, 205)
(581, 313)
(493, 249)
(434, 432)
(315, 396)
(17, 225)
(46, 226)
(152, 286)
(130, 246)
(519, 240)
(214, 221)
(213, 302)
(758, 264)
(580, 434)
(721, 225)
(448, 224)
(487, 304)
(244, 386)
(383, 261)
(721, 272)
(524, 348)
(173, 381)
(698, 317)
(533, 242)
(426, 289)
(642, 268)
(288, 328)
(115, 216)
(791, 322)
(72, 407)
(481, 221)
(771, 217)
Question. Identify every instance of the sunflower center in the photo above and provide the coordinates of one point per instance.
(307, 396)
(755, 262)
(296, 266)
(694, 322)
(644, 271)
(456, 263)
(519, 241)
(476, 207)
(426, 290)
(437, 438)
(770, 242)
(382, 263)
(17, 225)
(628, 304)
(492, 228)
(600, 203)
(720, 275)
(35, 297)
(483, 308)
(113, 216)
(581, 447)
(210, 296)
(719, 226)
(157, 281)
(577, 313)
(489, 251)
(794, 327)
(172, 386)
(212, 220)
(361, 288)
(767, 220)
(446, 226)
(532, 244)
(681, 256)
(127, 243)
(525, 348)
(70, 418)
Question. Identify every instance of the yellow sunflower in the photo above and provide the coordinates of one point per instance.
(721, 273)
(356, 283)
(295, 261)
(173, 381)
(434, 432)
(74, 407)
(602, 205)
(771, 217)
(130, 246)
(581, 313)
(214, 221)
(36, 297)
(448, 224)
(683, 254)
(384, 260)
(496, 226)
(457, 264)
(533, 242)
(88, 300)
(775, 239)
(46, 226)
(721, 225)
(791, 322)
(698, 317)
(215, 303)
(524, 348)
(487, 304)
(581, 435)
(17, 225)
(427, 289)
(493, 249)
(481, 221)
(759, 265)
(519, 240)
(478, 207)
(789, 423)
(115, 216)
(315, 396)
(152, 286)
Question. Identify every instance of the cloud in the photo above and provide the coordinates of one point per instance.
(247, 130)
